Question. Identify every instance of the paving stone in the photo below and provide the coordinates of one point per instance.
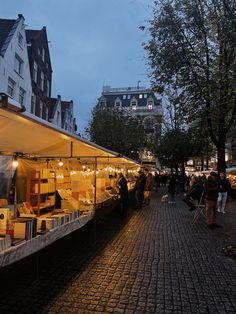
(153, 262)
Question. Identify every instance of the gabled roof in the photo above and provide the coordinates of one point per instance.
(5, 29)
(31, 34)
(65, 108)
(53, 107)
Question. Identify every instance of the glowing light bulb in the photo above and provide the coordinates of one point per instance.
(15, 163)
(60, 163)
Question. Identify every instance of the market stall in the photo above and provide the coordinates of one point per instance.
(52, 183)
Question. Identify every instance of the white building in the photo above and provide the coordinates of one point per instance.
(15, 79)
(61, 114)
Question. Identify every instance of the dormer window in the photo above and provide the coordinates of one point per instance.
(150, 103)
(102, 103)
(118, 103)
(133, 103)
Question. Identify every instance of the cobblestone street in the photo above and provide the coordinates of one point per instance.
(155, 262)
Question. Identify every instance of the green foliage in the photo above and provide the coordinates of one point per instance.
(192, 49)
(174, 147)
(116, 131)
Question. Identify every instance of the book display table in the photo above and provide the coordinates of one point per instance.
(26, 248)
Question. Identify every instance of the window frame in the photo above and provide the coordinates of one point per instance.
(18, 65)
(11, 88)
(22, 94)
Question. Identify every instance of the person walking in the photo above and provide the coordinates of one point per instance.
(148, 187)
(211, 195)
(139, 189)
(123, 192)
(224, 187)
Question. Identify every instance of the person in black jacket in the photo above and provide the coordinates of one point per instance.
(123, 192)
(211, 195)
(224, 187)
(139, 189)
(194, 194)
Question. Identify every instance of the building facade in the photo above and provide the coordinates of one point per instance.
(61, 114)
(15, 80)
(138, 102)
(41, 72)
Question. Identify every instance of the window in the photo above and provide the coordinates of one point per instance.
(118, 103)
(145, 95)
(48, 89)
(43, 54)
(58, 118)
(20, 40)
(35, 72)
(46, 113)
(33, 103)
(42, 81)
(11, 87)
(18, 64)
(22, 94)
(41, 109)
(140, 96)
(133, 103)
(39, 52)
(124, 97)
(150, 105)
(129, 96)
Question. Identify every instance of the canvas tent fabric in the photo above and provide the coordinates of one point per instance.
(23, 133)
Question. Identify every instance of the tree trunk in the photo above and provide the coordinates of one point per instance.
(202, 163)
(221, 166)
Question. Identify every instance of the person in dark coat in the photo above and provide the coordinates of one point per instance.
(211, 195)
(123, 192)
(139, 189)
(171, 187)
(194, 194)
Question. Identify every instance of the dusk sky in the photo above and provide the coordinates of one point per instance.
(92, 43)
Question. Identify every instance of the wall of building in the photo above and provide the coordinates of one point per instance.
(7, 67)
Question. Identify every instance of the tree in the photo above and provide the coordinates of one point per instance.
(192, 49)
(115, 130)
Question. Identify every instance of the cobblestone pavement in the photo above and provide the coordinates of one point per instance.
(154, 262)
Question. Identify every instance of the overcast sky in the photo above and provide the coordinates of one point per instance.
(92, 43)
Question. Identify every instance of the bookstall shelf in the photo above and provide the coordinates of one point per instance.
(26, 248)
(52, 184)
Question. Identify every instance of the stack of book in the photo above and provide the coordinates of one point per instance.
(5, 242)
(25, 228)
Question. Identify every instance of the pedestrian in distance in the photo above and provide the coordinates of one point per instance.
(123, 192)
(224, 187)
(139, 189)
(211, 196)
(148, 187)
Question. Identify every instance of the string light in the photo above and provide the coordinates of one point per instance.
(60, 163)
(15, 163)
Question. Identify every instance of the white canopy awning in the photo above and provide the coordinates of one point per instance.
(28, 135)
